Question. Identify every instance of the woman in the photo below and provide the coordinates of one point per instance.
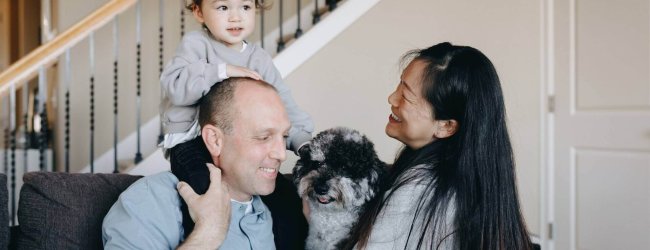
(453, 184)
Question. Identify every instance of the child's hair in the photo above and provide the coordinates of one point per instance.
(259, 4)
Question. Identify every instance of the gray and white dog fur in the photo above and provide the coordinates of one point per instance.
(339, 173)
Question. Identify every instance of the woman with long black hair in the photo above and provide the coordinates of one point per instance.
(453, 185)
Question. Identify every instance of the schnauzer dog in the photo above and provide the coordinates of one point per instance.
(338, 172)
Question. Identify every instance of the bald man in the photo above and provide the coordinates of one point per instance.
(244, 127)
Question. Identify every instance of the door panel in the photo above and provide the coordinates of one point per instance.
(612, 190)
(601, 189)
(612, 54)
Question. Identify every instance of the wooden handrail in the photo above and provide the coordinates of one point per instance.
(47, 53)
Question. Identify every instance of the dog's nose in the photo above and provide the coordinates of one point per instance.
(321, 188)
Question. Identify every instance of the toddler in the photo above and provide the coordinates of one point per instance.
(207, 57)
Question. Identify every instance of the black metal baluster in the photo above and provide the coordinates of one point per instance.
(298, 29)
(281, 39)
(67, 111)
(331, 4)
(6, 138)
(92, 102)
(182, 18)
(138, 100)
(26, 145)
(115, 92)
(12, 141)
(161, 9)
(42, 137)
(316, 13)
(13, 175)
(37, 134)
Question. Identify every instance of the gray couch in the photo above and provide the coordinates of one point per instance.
(60, 210)
(65, 211)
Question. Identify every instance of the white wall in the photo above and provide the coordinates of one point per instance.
(347, 83)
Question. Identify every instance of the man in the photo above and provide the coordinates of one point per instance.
(244, 126)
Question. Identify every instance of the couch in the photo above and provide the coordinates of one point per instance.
(65, 211)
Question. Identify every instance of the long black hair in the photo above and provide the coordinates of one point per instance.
(471, 173)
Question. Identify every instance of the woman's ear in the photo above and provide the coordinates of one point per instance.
(445, 128)
(213, 139)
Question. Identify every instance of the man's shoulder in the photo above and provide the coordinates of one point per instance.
(163, 180)
(146, 216)
(158, 185)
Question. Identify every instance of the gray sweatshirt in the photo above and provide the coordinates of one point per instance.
(195, 68)
(398, 217)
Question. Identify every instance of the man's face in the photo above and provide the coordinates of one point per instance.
(255, 148)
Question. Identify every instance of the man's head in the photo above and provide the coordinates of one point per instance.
(244, 126)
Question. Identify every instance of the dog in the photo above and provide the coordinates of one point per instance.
(338, 172)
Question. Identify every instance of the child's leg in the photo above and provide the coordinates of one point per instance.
(188, 161)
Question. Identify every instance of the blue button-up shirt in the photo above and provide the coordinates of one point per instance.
(148, 216)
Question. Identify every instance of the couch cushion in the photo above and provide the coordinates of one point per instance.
(65, 211)
(4, 216)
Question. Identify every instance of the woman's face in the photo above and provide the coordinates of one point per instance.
(411, 120)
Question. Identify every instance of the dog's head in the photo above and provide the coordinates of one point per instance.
(339, 169)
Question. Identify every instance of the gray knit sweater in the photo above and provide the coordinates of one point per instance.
(194, 69)
(399, 216)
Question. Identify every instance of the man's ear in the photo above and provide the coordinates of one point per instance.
(213, 139)
(198, 14)
(445, 128)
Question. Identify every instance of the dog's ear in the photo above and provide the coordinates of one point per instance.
(305, 152)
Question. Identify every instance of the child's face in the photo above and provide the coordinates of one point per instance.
(229, 21)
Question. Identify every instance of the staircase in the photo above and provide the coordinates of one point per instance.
(100, 78)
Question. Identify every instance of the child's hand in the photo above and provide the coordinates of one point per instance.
(236, 71)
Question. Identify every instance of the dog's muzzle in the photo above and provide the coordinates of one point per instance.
(324, 199)
(320, 190)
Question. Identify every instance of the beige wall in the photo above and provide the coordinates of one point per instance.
(347, 82)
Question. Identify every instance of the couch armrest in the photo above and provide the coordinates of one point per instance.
(65, 211)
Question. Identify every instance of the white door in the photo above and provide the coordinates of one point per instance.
(601, 196)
